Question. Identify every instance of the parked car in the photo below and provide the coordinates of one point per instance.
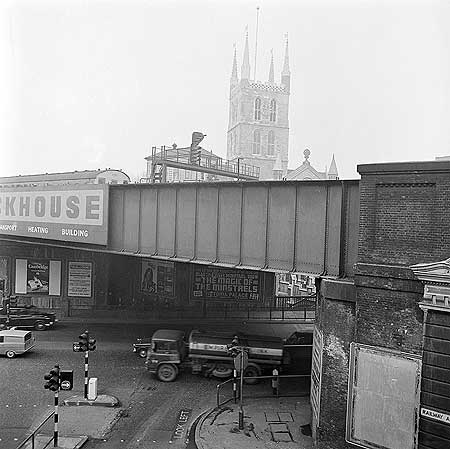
(28, 310)
(27, 319)
(14, 342)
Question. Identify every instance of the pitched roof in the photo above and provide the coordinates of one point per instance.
(63, 176)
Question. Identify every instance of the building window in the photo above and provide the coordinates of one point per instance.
(256, 142)
(235, 143)
(273, 110)
(271, 144)
(231, 144)
(233, 113)
(258, 109)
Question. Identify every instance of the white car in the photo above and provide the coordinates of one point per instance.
(14, 342)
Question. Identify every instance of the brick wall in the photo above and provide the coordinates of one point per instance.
(404, 212)
(387, 310)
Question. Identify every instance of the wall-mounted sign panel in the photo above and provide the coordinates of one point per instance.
(157, 277)
(38, 277)
(75, 213)
(383, 398)
(79, 280)
(216, 283)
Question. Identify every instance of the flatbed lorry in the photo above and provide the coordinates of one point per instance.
(207, 353)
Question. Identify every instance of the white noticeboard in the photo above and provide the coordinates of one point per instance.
(383, 398)
(79, 283)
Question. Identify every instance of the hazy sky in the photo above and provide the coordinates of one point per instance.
(95, 84)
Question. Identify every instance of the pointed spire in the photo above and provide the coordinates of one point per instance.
(234, 75)
(245, 69)
(271, 75)
(286, 73)
(286, 70)
(333, 172)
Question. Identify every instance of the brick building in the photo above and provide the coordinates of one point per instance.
(381, 367)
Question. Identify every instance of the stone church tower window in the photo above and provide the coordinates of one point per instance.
(273, 110)
(258, 109)
(271, 143)
(256, 142)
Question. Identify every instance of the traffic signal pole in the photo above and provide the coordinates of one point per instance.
(241, 407)
(55, 430)
(86, 373)
(53, 384)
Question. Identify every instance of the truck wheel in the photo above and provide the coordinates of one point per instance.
(167, 372)
(222, 371)
(142, 353)
(10, 354)
(252, 370)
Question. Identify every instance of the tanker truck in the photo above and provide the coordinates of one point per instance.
(207, 353)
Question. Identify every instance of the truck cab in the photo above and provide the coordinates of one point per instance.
(167, 352)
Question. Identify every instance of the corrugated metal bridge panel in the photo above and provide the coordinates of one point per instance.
(289, 226)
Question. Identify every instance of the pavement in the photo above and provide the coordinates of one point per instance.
(269, 423)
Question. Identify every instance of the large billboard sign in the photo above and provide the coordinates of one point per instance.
(75, 213)
(217, 283)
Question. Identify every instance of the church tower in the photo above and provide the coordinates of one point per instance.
(258, 125)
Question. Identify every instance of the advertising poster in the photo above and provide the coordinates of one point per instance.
(79, 282)
(213, 283)
(3, 274)
(37, 276)
(157, 277)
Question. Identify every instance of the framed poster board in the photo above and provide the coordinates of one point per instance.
(4, 262)
(79, 279)
(38, 276)
(158, 277)
(383, 398)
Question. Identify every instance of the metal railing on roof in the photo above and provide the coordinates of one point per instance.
(172, 156)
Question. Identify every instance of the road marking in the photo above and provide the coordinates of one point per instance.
(181, 425)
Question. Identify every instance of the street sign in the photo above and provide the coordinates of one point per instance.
(66, 379)
(76, 347)
(65, 385)
(242, 357)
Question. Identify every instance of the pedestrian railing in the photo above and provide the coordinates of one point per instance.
(31, 439)
(233, 393)
(274, 309)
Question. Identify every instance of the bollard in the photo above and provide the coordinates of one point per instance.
(92, 389)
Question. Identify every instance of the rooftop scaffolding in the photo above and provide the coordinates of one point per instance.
(205, 162)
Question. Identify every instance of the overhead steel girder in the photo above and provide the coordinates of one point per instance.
(300, 226)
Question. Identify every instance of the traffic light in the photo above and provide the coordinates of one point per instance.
(84, 341)
(52, 379)
(195, 154)
(91, 344)
(233, 348)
